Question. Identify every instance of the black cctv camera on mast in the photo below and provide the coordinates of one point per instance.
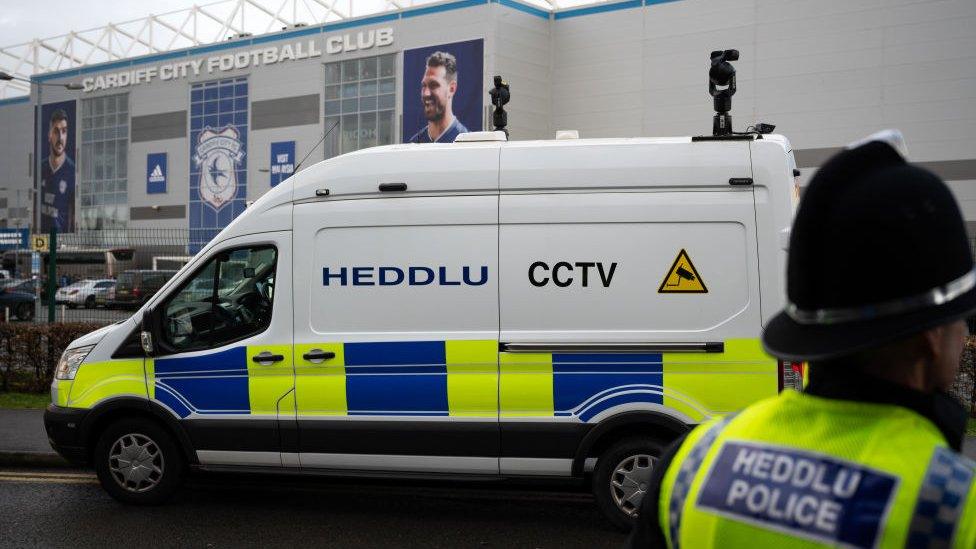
(500, 95)
(721, 86)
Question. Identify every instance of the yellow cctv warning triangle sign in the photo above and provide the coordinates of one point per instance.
(682, 277)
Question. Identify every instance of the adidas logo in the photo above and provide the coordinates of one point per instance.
(157, 175)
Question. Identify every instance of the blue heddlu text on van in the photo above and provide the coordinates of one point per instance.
(412, 276)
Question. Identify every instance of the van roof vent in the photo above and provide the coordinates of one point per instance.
(470, 137)
(567, 134)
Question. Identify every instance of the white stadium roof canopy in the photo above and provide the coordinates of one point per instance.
(197, 25)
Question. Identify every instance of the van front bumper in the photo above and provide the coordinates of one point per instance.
(63, 426)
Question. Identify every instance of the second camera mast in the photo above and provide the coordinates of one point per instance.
(721, 86)
(500, 95)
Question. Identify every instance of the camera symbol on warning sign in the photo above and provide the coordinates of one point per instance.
(682, 277)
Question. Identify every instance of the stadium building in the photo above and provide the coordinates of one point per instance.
(185, 138)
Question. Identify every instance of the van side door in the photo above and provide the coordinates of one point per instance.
(396, 333)
(224, 360)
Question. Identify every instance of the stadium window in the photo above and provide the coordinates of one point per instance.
(360, 94)
(104, 162)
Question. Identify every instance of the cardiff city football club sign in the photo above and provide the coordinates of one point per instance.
(218, 156)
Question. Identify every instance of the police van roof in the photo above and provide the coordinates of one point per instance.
(491, 166)
(487, 167)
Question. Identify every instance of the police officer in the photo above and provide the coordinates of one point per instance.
(880, 279)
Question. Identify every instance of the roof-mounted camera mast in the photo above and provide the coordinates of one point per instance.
(500, 95)
(721, 86)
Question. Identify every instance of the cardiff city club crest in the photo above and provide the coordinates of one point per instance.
(217, 156)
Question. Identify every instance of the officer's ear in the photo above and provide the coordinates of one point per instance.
(943, 347)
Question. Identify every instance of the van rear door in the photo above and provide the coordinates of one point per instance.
(629, 282)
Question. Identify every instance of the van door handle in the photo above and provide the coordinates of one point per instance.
(264, 358)
(316, 356)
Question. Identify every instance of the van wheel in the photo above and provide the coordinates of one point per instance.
(621, 477)
(138, 462)
(90, 302)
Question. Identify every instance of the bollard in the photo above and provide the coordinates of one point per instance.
(63, 311)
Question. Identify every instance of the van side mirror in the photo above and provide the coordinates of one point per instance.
(146, 332)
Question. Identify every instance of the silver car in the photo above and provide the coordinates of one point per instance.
(82, 293)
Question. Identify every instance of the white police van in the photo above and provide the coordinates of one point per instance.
(483, 309)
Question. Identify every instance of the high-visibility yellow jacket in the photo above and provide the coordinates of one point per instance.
(804, 471)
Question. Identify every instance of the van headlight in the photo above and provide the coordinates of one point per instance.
(71, 359)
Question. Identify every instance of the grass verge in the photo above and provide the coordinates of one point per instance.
(23, 401)
(971, 427)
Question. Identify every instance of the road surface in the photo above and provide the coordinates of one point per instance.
(67, 508)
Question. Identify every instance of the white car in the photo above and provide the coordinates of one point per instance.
(81, 293)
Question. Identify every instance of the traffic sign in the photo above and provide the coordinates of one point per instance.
(39, 242)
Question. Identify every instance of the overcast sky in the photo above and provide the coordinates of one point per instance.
(24, 20)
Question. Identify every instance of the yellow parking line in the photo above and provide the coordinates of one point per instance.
(53, 480)
(37, 476)
(44, 474)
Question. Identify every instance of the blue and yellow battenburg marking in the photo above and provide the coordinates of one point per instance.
(461, 378)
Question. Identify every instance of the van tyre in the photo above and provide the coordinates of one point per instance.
(138, 462)
(90, 302)
(621, 477)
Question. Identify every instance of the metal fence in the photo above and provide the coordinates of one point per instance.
(100, 276)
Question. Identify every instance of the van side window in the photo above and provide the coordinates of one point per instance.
(228, 299)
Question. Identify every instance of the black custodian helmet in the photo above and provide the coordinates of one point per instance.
(878, 251)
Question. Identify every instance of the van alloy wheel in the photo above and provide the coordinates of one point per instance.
(629, 480)
(136, 462)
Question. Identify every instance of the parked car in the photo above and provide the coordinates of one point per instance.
(81, 293)
(18, 296)
(104, 294)
(135, 287)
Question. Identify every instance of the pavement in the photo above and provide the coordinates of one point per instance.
(23, 440)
